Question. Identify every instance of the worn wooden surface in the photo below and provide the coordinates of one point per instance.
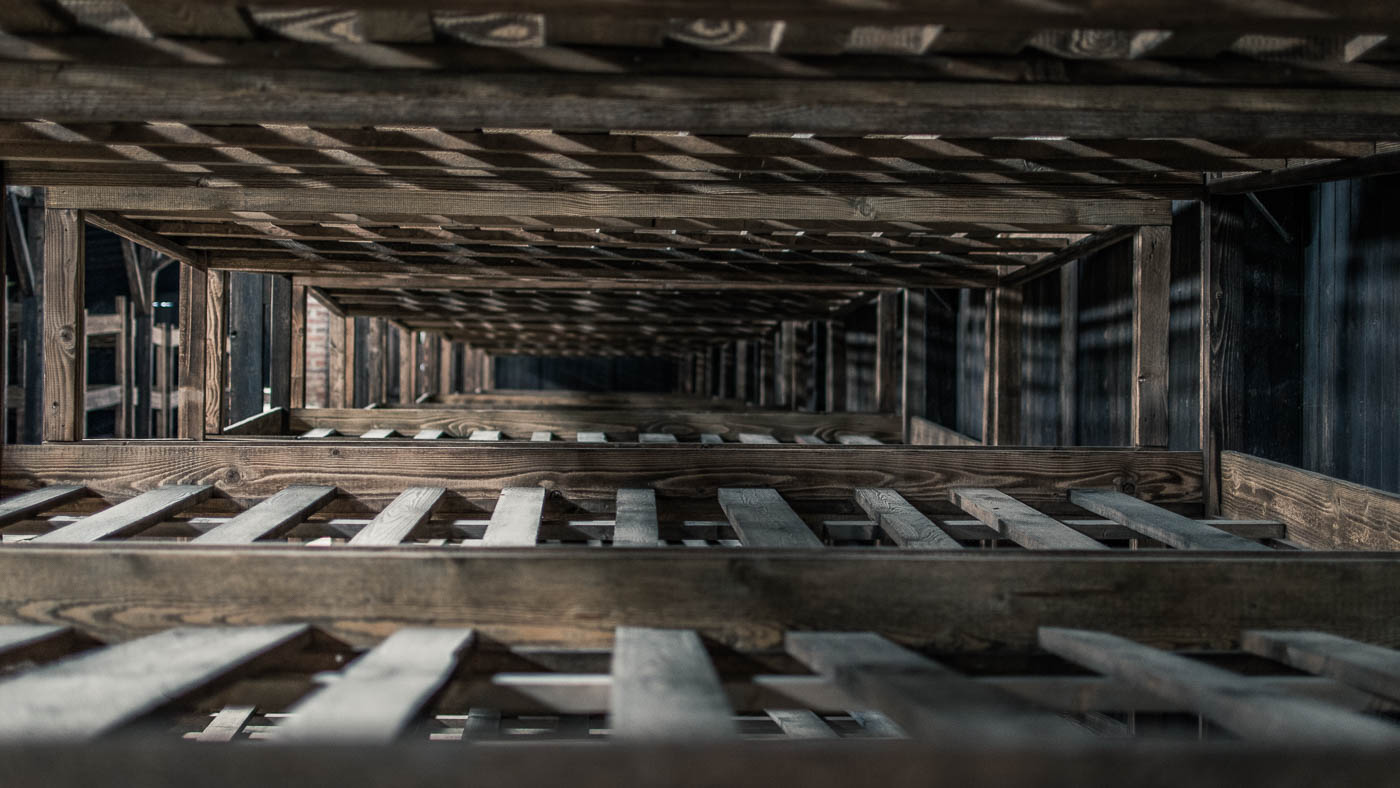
(1321, 512)
(65, 348)
(1152, 274)
(664, 687)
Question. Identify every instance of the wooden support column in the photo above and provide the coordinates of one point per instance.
(725, 378)
(408, 365)
(336, 354)
(144, 342)
(247, 294)
(887, 388)
(447, 357)
(742, 364)
(1001, 392)
(194, 338)
(488, 372)
(65, 330)
(297, 394)
(915, 395)
(1152, 280)
(279, 355)
(835, 366)
(216, 352)
(764, 382)
(1069, 354)
(352, 361)
(123, 369)
(786, 396)
(32, 331)
(1213, 324)
(804, 387)
(376, 387)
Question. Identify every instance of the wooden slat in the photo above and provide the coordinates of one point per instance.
(664, 687)
(541, 435)
(801, 724)
(65, 343)
(859, 440)
(1166, 527)
(656, 437)
(226, 724)
(130, 516)
(428, 435)
(1321, 512)
(1361, 665)
(636, 518)
(26, 505)
(592, 437)
(485, 435)
(1228, 699)
(320, 432)
(763, 519)
(379, 434)
(481, 724)
(273, 517)
(93, 692)
(515, 522)
(752, 437)
(1152, 274)
(1020, 523)
(374, 699)
(710, 437)
(401, 518)
(923, 696)
(901, 522)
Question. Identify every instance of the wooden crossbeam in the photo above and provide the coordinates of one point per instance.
(664, 687)
(130, 516)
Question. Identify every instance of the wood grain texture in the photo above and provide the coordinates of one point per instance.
(91, 693)
(1020, 523)
(1249, 710)
(636, 518)
(664, 687)
(515, 522)
(374, 699)
(193, 360)
(1361, 665)
(902, 523)
(65, 345)
(763, 519)
(270, 518)
(397, 522)
(216, 355)
(249, 471)
(1321, 512)
(18, 507)
(129, 516)
(1152, 276)
(1153, 521)
(923, 432)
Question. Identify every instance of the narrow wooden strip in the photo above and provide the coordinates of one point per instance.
(485, 435)
(801, 724)
(1158, 523)
(754, 437)
(809, 440)
(710, 437)
(130, 516)
(1322, 513)
(429, 435)
(95, 691)
(481, 724)
(664, 687)
(923, 696)
(226, 724)
(1230, 700)
(1362, 665)
(656, 437)
(273, 517)
(320, 432)
(636, 518)
(18, 640)
(763, 519)
(379, 434)
(404, 515)
(901, 522)
(26, 505)
(380, 693)
(859, 440)
(515, 522)
(592, 437)
(1020, 523)
(541, 435)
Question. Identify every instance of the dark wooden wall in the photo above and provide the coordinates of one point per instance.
(656, 375)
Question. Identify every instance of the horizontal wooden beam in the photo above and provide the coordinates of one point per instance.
(131, 231)
(1321, 512)
(376, 472)
(1308, 174)
(1075, 251)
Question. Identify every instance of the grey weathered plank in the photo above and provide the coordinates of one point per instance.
(636, 518)
(428, 435)
(379, 694)
(92, 692)
(16, 640)
(592, 437)
(129, 516)
(400, 518)
(923, 696)
(320, 432)
(859, 440)
(809, 440)
(515, 522)
(1362, 665)
(801, 724)
(481, 723)
(656, 437)
(710, 437)
(1153, 521)
(24, 505)
(763, 519)
(1020, 523)
(271, 518)
(756, 437)
(664, 687)
(901, 522)
(485, 435)
(226, 724)
(379, 433)
(1249, 709)
(541, 435)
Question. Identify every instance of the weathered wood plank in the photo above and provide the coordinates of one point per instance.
(374, 699)
(515, 522)
(763, 519)
(1152, 274)
(859, 440)
(408, 512)
(1250, 710)
(130, 516)
(755, 437)
(379, 433)
(1166, 527)
(542, 435)
(1321, 512)
(1361, 665)
(25, 505)
(636, 518)
(808, 440)
(901, 522)
(93, 692)
(193, 379)
(664, 687)
(801, 724)
(320, 432)
(1020, 523)
(710, 437)
(656, 437)
(226, 724)
(921, 695)
(65, 345)
(20, 641)
(592, 437)
(485, 435)
(428, 435)
(271, 518)
(923, 432)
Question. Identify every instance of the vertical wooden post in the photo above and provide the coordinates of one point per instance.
(835, 366)
(915, 396)
(787, 367)
(216, 350)
(65, 348)
(279, 355)
(144, 341)
(725, 374)
(194, 339)
(488, 371)
(298, 365)
(162, 381)
(352, 361)
(247, 295)
(1001, 410)
(32, 332)
(4, 344)
(447, 356)
(123, 369)
(408, 365)
(887, 388)
(336, 354)
(764, 382)
(1069, 354)
(1152, 280)
(742, 362)
(1212, 331)
(373, 362)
